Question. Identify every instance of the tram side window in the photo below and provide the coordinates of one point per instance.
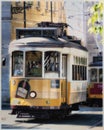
(79, 72)
(100, 75)
(85, 73)
(73, 72)
(93, 75)
(34, 64)
(17, 63)
(51, 62)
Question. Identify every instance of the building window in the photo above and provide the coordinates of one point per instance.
(54, 6)
(17, 4)
(46, 8)
(38, 4)
(29, 3)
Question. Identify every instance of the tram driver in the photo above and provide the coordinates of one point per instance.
(18, 70)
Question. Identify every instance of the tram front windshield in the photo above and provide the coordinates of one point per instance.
(17, 63)
(96, 75)
(30, 63)
(34, 64)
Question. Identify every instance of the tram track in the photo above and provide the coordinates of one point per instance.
(84, 119)
(71, 118)
(97, 123)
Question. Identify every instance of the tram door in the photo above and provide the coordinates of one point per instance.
(64, 81)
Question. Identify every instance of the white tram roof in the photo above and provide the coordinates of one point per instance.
(45, 42)
(38, 28)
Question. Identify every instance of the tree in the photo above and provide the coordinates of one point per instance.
(95, 22)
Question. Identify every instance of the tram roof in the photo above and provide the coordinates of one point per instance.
(37, 28)
(46, 42)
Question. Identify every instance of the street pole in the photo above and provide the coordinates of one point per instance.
(51, 12)
(24, 3)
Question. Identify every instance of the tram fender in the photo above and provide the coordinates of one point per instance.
(75, 107)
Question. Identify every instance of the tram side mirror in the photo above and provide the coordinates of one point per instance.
(3, 61)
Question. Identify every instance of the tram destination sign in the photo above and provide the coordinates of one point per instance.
(97, 58)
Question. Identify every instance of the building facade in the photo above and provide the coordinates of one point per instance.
(35, 12)
(74, 16)
(77, 15)
(93, 41)
(6, 31)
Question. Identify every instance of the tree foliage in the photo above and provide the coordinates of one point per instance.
(95, 22)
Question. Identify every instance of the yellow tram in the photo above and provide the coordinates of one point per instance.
(48, 73)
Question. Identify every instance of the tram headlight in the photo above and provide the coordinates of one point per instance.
(13, 82)
(33, 94)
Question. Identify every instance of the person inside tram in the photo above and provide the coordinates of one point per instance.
(94, 76)
(18, 70)
(100, 76)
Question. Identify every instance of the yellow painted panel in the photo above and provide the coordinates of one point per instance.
(35, 102)
(63, 91)
(13, 87)
(46, 96)
(99, 96)
(68, 93)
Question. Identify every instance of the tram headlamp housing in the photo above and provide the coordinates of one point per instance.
(13, 82)
(33, 94)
